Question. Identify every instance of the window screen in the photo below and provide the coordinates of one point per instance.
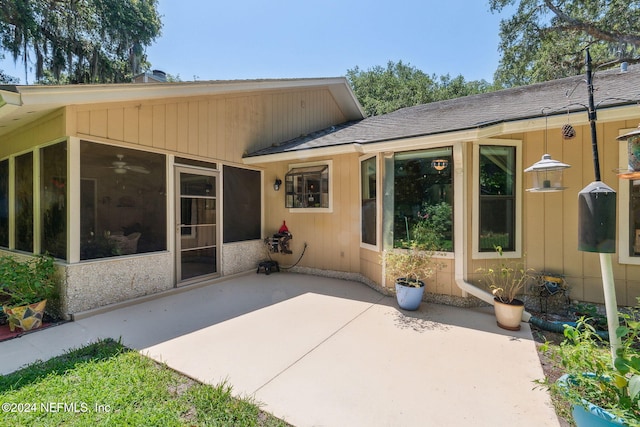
(242, 204)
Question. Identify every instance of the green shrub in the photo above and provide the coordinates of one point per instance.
(27, 282)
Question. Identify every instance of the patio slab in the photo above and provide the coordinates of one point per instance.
(321, 351)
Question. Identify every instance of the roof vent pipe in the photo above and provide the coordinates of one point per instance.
(624, 67)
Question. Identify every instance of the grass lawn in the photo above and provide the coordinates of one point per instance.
(106, 384)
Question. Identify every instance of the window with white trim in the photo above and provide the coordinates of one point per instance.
(423, 199)
(497, 198)
(308, 187)
(629, 211)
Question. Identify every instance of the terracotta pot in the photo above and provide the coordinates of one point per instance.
(509, 316)
(25, 317)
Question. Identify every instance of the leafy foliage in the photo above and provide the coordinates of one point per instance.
(433, 230)
(593, 378)
(545, 39)
(27, 282)
(506, 279)
(409, 266)
(79, 41)
(382, 90)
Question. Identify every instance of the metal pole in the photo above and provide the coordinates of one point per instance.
(608, 282)
(592, 118)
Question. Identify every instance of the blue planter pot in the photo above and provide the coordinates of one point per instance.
(409, 297)
(590, 415)
(594, 416)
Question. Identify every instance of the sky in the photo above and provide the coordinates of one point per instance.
(255, 39)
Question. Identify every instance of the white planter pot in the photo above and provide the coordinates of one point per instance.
(508, 316)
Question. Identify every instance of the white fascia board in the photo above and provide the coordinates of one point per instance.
(84, 94)
(10, 102)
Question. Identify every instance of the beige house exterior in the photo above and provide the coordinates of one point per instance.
(199, 131)
(155, 186)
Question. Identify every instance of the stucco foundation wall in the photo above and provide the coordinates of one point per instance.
(95, 284)
(242, 256)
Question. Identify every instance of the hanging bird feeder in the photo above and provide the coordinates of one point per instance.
(633, 149)
(547, 174)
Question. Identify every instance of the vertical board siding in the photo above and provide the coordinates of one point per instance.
(216, 127)
(551, 220)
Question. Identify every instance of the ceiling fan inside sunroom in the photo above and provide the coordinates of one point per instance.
(121, 167)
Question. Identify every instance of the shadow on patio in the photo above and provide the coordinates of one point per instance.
(322, 351)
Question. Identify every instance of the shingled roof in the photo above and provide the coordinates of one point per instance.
(612, 88)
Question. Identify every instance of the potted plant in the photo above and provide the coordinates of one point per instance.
(25, 288)
(409, 267)
(506, 280)
(601, 392)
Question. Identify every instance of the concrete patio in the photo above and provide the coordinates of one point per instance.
(322, 351)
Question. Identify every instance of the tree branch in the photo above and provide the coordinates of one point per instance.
(591, 29)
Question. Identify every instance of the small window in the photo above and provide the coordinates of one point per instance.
(307, 187)
(368, 195)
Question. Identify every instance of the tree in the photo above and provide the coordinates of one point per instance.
(382, 90)
(79, 41)
(6, 78)
(545, 39)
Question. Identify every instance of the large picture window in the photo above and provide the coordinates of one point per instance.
(368, 195)
(497, 193)
(123, 201)
(423, 199)
(53, 199)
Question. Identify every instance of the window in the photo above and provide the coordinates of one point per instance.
(423, 198)
(307, 187)
(497, 198)
(629, 210)
(368, 196)
(24, 202)
(634, 218)
(53, 199)
(4, 203)
(242, 209)
(123, 201)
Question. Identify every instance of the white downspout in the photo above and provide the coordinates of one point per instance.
(460, 218)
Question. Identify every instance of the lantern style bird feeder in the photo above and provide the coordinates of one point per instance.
(547, 174)
(633, 147)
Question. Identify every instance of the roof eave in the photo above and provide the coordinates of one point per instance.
(479, 132)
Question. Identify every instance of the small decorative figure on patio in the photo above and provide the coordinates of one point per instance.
(551, 284)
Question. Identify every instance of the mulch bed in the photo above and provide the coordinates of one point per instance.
(6, 334)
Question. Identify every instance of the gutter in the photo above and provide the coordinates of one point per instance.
(479, 293)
